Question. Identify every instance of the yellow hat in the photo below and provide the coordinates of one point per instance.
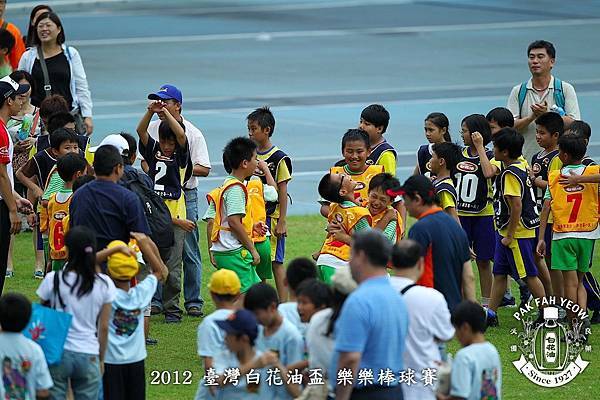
(224, 281)
(121, 266)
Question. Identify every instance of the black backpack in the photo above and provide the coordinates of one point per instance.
(157, 213)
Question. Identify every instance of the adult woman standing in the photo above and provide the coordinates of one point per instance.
(57, 69)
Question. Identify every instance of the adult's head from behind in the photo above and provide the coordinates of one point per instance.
(15, 312)
(33, 17)
(81, 247)
(48, 30)
(11, 96)
(469, 320)
(171, 97)
(407, 259)
(419, 195)
(541, 56)
(370, 255)
(108, 163)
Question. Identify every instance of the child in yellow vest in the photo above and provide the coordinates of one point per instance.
(574, 208)
(383, 190)
(54, 217)
(345, 218)
(231, 241)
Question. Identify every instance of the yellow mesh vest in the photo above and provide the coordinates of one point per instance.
(362, 189)
(57, 227)
(399, 232)
(258, 211)
(217, 196)
(348, 217)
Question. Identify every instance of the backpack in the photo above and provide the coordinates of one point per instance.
(559, 96)
(157, 212)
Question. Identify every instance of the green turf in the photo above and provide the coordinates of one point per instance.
(176, 350)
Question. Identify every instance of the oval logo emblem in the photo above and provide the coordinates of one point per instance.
(338, 217)
(536, 168)
(574, 188)
(466, 166)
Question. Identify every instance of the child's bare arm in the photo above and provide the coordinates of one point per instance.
(142, 128)
(541, 246)
(281, 227)
(516, 206)
(175, 127)
(489, 170)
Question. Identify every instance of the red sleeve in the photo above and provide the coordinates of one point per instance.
(4, 153)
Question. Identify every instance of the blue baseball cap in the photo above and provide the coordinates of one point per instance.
(167, 92)
(242, 321)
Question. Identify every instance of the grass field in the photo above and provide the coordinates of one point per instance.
(176, 350)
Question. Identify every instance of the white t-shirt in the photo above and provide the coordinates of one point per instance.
(24, 368)
(320, 346)
(198, 149)
(429, 318)
(85, 310)
(126, 343)
(211, 338)
(289, 311)
(571, 109)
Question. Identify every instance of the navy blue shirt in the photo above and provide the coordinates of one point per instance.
(445, 249)
(108, 209)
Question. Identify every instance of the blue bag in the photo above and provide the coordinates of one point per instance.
(49, 327)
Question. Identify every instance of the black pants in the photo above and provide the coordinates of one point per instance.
(378, 392)
(124, 381)
(4, 241)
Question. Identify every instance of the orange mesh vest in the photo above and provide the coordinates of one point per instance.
(57, 227)
(216, 196)
(362, 189)
(399, 232)
(348, 217)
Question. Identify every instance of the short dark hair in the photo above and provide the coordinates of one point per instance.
(7, 40)
(330, 191)
(224, 297)
(53, 104)
(470, 313)
(385, 182)
(298, 270)
(318, 292)
(441, 121)
(355, 135)
(377, 115)
(132, 144)
(69, 164)
(264, 117)
(166, 133)
(542, 44)
(573, 145)
(106, 159)
(81, 181)
(582, 128)
(15, 312)
(552, 121)
(236, 151)
(20, 74)
(60, 39)
(422, 186)
(503, 117)
(450, 152)
(406, 254)
(478, 123)
(511, 140)
(260, 297)
(62, 135)
(375, 246)
(59, 120)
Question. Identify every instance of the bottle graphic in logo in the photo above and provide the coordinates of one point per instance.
(550, 348)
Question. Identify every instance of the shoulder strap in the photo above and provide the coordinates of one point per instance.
(47, 86)
(522, 95)
(57, 292)
(406, 289)
(559, 95)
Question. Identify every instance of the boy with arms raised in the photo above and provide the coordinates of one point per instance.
(443, 162)
(261, 126)
(374, 120)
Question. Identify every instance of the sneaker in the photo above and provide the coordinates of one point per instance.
(10, 274)
(508, 301)
(172, 319)
(525, 296)
(151, 341)
(38, 274)
(595, 318)
(491, 318)
(195, 311)
(155, 310)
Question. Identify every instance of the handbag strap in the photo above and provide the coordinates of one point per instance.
(47, 85)
(406, 289)
(57, 292)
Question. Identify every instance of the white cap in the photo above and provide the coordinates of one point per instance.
(115, 140)
(550, 313)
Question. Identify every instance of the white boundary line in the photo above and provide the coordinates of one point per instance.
(266, 36)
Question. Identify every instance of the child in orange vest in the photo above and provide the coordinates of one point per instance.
(383, 190)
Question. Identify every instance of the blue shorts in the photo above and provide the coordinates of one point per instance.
(277, 244)
(547, 239)
(515, 260)
(480, 231)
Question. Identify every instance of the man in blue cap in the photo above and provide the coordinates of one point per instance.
(192, 262)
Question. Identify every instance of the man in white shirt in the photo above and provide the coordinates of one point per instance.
(429, 317)
(540, 94)
(192, 262)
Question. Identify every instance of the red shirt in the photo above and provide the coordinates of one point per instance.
(4, 144)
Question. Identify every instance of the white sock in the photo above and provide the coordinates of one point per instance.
(485, 301)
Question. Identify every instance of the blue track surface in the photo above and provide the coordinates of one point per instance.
(318, 63)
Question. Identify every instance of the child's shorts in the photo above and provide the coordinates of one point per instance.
(547, 239)
(326, 273)
(58, 265)
(480, 231)
(515, 260)
(240, 262)
(277, 243)
(264, 268)
(572, 254)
